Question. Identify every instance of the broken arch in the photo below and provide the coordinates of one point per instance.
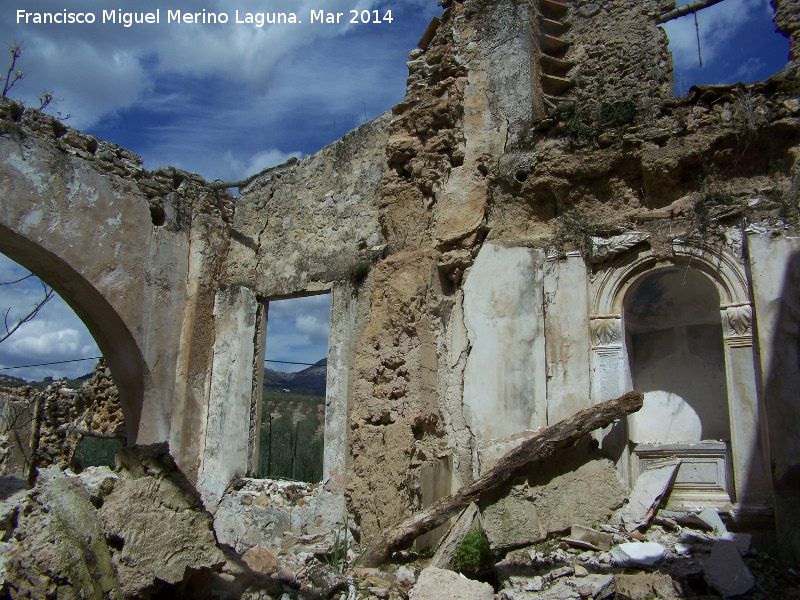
(115, 341)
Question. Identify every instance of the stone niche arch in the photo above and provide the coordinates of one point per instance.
(718, 472)
(119, 349)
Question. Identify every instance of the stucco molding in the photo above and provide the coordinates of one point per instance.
(606, 330)
(738, 320)
(724, 270)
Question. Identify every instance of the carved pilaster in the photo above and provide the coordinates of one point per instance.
(606, 331)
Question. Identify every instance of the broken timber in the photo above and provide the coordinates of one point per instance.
(692, 7)
(541, 446)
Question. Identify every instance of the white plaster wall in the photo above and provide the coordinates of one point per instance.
(775, 265)
(342, 339)
(681, 372)
(566, 295)
(505, 389)
(230, 389)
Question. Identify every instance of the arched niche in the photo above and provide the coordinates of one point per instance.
(650, 292)
(673, 339)
(121, 353)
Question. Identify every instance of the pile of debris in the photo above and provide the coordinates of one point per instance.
(682, 554)
(142, 532)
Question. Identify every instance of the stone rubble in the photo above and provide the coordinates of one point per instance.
(64, 416)
(647, 493)
(101, 515)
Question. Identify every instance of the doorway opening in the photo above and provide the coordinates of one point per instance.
(291, 433)
(49, 367)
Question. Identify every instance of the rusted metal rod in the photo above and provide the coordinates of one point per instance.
(690, 8)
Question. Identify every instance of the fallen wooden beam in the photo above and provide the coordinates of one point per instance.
(541, 446)
(447, 548)
(685, 10)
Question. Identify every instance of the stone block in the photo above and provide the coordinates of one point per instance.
(261, 561)
(726, 572)
(650, 488)
(638, 554)
(585, 495)
(434, 584)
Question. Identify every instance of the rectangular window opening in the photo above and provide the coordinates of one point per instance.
(291, 431)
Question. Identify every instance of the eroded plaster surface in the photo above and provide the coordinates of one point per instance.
(505, 388)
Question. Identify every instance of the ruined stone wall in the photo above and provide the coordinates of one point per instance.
(467, 177)
(787, 22)
(618, 52)
(48, 425)
(488, 220)
(300, 226)
(128, 280)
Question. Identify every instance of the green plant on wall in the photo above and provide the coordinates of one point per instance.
(573, 122)
(473, 555)
(359, 272)
(617, 113)
(580, 124)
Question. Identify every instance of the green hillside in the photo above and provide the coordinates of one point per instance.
(293, 424)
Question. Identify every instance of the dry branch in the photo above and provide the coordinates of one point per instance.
(541, 446)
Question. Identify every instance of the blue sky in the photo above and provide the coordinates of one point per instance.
(229, 100)
(737, 40)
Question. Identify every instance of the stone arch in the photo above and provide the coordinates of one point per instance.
(722, 268)
(120, 350)
(611, 372)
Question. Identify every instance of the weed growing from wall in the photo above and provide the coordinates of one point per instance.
(359, 273)
(574, 123)
(580, 124)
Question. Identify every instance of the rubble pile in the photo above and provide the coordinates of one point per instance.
(682, 555)
(51, 423)
(142, 531)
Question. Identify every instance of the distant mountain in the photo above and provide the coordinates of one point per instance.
(308, 381)
(10, 381)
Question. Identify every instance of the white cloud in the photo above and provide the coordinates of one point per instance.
(241, 169)
(310, 325)
(36, 339)
(748, 70)
(297, 330)
(55, 334)
(102, 68)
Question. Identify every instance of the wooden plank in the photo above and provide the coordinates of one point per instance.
(540, 447)
(447, 548)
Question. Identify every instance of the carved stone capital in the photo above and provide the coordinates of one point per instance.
(739, 320)
(606, 330)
